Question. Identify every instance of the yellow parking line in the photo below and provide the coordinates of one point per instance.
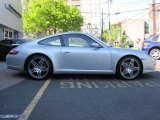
(33, 103)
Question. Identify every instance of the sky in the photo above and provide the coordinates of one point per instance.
(128, 5)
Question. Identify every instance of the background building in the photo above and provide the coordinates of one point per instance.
(91, 11)
(135, 29)
(76, 3)
(10, 19)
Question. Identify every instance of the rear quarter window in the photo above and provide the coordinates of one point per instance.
(52, 41)
(155, 38)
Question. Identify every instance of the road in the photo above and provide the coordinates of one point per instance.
(79, 97)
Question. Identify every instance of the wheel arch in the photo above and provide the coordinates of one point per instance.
(155, 47)
(30, 56)
(129, 56)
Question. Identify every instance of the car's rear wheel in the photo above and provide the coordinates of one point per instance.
(39, 67)
(129, 68)
(155, 53)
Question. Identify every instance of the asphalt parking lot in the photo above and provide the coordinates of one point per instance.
(79, 97)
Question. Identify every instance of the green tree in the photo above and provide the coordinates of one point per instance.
(50, 15)
(115, 34)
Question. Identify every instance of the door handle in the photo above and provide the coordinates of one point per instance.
(66, 52)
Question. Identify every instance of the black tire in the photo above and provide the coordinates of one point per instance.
(155, 53)
(39, 67)
(129, 68)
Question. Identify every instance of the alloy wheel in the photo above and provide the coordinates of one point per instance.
(129, 68)
(39, 67)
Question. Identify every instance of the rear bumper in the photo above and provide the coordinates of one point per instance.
(15, 62)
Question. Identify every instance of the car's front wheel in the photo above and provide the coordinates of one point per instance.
(155, 53)
(129, 68)
(39, 67)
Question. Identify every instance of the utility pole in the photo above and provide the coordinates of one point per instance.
(154, 17)
(102, 25)
(109, 23)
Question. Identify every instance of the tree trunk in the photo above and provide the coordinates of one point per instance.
(55, 30)
(45, 32)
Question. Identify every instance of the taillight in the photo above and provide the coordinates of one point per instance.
(144, 44)
(13, 52)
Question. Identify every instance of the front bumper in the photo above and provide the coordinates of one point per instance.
(149, 65)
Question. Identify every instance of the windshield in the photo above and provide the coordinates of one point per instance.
(99, 40)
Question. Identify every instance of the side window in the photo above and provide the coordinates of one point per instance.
(158, 38)
(17, 42)
(2, 42)
(54, 41)
(155, 38)
(77, 40)
(6, 42)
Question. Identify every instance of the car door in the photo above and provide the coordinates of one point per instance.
(78, 54)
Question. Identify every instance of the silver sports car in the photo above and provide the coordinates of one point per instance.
(77, 53)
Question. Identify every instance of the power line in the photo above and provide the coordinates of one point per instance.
(133, 2)
(117, 12)
(132, 10)
(139, 13)
(133, 21)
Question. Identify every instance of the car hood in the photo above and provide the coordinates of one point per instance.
(127, 50)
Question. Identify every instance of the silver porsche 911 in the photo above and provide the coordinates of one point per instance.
(77, 53)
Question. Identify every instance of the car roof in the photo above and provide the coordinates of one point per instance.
(35, 41)
(62, 33)
(70, 32)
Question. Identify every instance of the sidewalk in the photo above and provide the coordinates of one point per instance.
(157, 65)
(9, 77)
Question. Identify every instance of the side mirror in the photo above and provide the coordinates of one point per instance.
(96, 45)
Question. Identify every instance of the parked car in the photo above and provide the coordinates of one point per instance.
(77, 52)
(130, 45)
(152, 46)
(7, 45)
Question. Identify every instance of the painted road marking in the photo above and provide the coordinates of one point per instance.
(106, 84)
(33, 103)
(9, 116)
